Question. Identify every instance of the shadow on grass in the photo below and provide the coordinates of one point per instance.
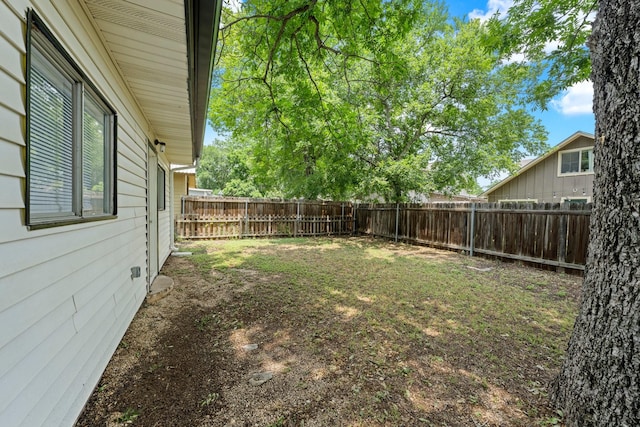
(356, 333)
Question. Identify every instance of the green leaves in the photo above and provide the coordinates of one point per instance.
(550, 38)
(367, 98)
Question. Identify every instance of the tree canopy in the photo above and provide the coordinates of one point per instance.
(226, 170)
(369, 98)
(550, 35)
(599, 382)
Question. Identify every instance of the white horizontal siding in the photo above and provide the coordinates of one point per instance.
(79, 285)
(12, 97)
(24, 378)
(91, 371)
(84, 361)
(50, 247)
(12, 130)
(25, 343)
(13, 58)
(17, 7)
(8, 165)
(11, 194)
(32, 405)
(67, 292)
(12, 110)
(11, 25)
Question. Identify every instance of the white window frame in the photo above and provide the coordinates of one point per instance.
(53, 60)
(580, 150)
(518, 201)
(568, 199)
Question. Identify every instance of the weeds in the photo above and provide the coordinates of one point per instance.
(211, 397)
(203, 322)
(412, 321)
(278, 423)
(129, 416)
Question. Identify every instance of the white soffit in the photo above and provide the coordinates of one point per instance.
(147, 39)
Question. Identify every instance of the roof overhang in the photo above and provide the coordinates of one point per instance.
(540, 159)
(203, 21)
(164, 51)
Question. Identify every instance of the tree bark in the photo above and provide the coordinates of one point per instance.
(599, 383)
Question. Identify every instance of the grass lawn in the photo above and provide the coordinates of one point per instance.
(356, 332)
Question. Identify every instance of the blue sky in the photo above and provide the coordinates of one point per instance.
(567, 114)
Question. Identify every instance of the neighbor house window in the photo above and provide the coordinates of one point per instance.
(71, 138)
(518, 201)
(576, 200)
(574, 162)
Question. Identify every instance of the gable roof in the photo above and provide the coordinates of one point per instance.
(540, 159)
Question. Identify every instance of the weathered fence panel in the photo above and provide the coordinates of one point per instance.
(549, 234)
(214, 218)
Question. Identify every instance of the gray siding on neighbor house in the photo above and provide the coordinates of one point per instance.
(541, 181)
(66, 293)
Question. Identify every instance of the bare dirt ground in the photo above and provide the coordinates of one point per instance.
(193, 358)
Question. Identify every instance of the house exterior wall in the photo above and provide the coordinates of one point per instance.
(541, 182)
(181, 184)
(179, 189)
(66, 293)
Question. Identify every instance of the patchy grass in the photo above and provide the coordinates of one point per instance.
(367, 333)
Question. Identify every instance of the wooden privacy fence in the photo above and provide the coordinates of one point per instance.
(549, 234)
(213, 218)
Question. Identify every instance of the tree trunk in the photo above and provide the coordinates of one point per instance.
(599, 383)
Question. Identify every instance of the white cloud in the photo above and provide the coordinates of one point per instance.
(233, 5)
(521, 58)
(578, 99)
(550, 46)
(516, 58)
(493, 6)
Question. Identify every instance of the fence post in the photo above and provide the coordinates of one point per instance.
(397, 220)
(295, 225)
(562, 236)
(473, 229)
(341, 217)
(246, 218)
(354, 219)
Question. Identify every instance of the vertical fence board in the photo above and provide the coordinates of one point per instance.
(550, 234)
(213, 218)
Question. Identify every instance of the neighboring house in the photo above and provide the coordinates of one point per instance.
(97, 98)
(564, 174)
(183, 180)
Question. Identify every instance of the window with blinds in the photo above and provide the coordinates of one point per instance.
(71, 138)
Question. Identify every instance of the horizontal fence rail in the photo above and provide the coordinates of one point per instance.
(548, 234)
(214, 218)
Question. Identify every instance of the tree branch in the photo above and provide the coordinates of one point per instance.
(316, 34)
(285, 18)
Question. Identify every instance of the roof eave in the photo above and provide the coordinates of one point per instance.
(531, 164)
(202, 22)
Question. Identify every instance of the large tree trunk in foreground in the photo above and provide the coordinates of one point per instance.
(599, 384)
